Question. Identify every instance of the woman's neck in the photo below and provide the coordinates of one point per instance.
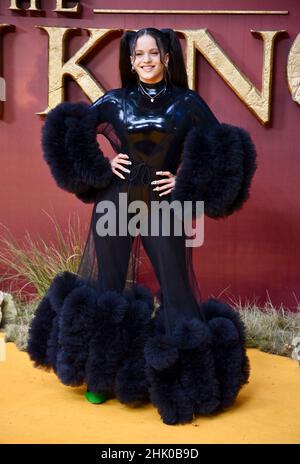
(153, 88)
(152, 85)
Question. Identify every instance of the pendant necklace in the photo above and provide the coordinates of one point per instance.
(149, 96)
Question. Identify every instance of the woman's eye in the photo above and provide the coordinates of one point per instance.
(153, 53)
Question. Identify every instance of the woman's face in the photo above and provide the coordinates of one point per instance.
(147, 62)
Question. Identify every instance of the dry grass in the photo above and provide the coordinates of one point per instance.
(268, 328)
(33, 263)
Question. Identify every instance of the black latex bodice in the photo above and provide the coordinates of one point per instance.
(151, 133)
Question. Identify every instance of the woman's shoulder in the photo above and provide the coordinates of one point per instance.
(198, 105)
(188, 95)
(110, 96)
(194, 97)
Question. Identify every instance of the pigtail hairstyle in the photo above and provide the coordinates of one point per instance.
(127, 77)
(176, 66)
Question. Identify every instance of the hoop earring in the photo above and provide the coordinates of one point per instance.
(133, 70)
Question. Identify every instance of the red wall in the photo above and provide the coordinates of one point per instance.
(253, 254)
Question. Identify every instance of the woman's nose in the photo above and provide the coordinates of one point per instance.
(147, 58)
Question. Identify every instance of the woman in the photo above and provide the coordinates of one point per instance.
(99, 326)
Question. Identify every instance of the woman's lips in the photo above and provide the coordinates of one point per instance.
(148, 68)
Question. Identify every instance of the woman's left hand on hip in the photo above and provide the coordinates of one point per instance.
(165, 185)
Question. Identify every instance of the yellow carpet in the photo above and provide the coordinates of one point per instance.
(37, 408)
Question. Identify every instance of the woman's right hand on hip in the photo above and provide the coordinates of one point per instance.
(117, 162)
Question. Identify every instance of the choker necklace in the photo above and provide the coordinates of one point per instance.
(149, 96)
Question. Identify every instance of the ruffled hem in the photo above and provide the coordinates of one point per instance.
(116, 343)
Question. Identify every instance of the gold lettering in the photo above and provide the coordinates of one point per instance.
(58, 69)
(2, 89)
(3, 28)
(257, 101)
(33, 6)
(293, 70)
(61, 9)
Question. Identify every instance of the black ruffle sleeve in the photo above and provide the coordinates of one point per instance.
(71, 150)
(218, 164)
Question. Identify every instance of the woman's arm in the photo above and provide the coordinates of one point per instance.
(71, 150)
(218, 163)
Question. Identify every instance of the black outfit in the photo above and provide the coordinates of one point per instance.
(99, 326)
(152, 134)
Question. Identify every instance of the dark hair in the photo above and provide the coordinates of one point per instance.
(167, 42)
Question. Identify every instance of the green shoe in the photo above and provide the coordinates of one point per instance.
(95, 398)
